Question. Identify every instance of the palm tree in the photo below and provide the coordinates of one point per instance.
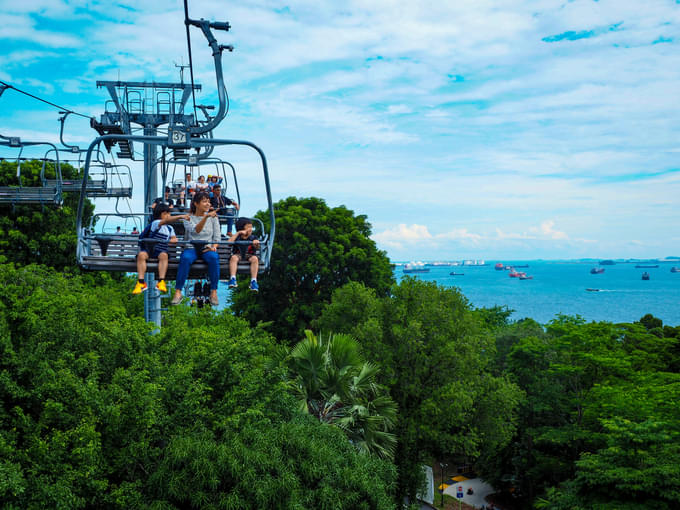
(337, 387)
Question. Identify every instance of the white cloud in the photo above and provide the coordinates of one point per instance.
(452, 116)
(546, 229)
(398, 109)
(403, 233)
(461, 234)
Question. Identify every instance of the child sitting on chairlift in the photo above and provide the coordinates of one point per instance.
(242, 251)
(162, 233)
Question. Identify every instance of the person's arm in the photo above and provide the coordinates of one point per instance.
(173, 219)
(217, 232)
(173, 239)
(199, 226)
(231, 201)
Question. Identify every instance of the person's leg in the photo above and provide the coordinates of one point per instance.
(212, 258)
(233, 265)
(162, 264)
(141, 286)
(162, 257)
(187, 258)
(142, 257)
(254, 266)
(230, 224)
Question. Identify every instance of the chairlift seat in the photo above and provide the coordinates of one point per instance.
(48, 194)
(118, 252)
(75, 185)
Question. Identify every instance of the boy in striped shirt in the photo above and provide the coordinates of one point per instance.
(161, 231)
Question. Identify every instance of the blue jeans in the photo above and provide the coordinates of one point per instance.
(188, 257)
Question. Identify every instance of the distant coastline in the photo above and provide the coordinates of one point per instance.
(509, 261)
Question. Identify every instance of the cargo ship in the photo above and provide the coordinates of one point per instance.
(415, 267)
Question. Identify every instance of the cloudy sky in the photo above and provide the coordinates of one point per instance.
(462, 129)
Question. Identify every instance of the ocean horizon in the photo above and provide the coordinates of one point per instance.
(619, 294)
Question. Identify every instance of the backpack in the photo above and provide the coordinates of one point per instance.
(146, 232)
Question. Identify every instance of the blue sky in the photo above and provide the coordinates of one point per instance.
(468, 129)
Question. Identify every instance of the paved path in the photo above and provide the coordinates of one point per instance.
(480, 489)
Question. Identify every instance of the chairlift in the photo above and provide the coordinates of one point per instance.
(49, 191)
(105, 251)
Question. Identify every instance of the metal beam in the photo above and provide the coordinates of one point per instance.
(147, 85)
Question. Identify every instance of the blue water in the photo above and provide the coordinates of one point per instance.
(560, 287)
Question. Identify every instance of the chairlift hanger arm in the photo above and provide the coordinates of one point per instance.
(62, 120)
(217, 49)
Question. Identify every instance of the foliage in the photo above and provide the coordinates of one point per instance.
(336, 386)
(293, 465)
(317, 249)
(98, 413)
(43, 234)
(435, 356)
(600, 421)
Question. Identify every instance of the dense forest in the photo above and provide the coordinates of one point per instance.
(328, 390)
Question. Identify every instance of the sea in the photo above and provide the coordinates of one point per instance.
(559, 287)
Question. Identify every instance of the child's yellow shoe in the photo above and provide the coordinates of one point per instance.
(139, 288)
(161, 286)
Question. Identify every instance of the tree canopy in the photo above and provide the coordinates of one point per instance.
(600, 418)
(435, 356)
(98, 413)
(318, 249)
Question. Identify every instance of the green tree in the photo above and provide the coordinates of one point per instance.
(637, 463)
(292, 465)
(435, 357)
(590, 387)
(39, 234)
(318, 249)
(336, 386)
(97, 413)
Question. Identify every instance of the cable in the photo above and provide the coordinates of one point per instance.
(44, 101)
(191, 65)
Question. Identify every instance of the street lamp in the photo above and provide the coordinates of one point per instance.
(443, 465)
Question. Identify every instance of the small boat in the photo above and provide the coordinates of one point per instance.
(592, 290)
(675, 269)
(513, 273)
(645, 275)
(597, 270)
(457, 274)
(641, 266)
(525, 277)
(499, 266)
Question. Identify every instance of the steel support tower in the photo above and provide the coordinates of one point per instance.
(149, 105)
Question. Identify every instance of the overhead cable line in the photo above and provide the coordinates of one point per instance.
(66, 110)
(191, 65)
